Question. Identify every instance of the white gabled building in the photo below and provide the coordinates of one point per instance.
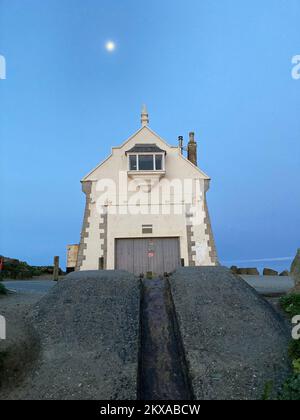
(146, 208)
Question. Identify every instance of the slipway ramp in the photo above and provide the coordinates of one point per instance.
(234, 341)
(202, 334)
(88, 327)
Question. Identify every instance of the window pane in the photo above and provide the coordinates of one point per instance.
(132, 163)
(158, 162)
(146, 162)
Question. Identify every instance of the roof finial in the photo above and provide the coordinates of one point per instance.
(144, 116)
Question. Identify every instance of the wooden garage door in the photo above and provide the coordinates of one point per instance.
(156, 255)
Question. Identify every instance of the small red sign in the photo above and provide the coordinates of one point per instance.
(151, 254)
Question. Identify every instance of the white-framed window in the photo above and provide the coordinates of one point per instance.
(146, 162)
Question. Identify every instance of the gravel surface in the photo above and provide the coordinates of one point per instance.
(88, 326)
(20, 350)
(235, 342)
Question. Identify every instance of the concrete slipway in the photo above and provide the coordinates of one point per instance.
(88, 329)
(234, 340)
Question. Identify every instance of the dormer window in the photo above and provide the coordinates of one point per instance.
(159, 162)
(146, 157)
(133, 163)
(147, 162)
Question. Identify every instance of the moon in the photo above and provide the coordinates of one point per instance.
(110, 46)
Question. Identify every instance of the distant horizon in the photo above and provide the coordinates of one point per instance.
(278, 264)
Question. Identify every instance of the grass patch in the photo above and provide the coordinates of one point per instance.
(291, 304)
(3, 290)
(268, 390)
(291, 388)
(22, 270)
(294, 349)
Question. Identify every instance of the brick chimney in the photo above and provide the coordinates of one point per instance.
(192, 149)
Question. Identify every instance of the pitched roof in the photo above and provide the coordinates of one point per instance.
(123, 145)
(145, 148)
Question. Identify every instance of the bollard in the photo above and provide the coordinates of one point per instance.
(56, 269)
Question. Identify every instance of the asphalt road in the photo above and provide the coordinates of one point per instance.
(265, 285)
(29, 286)
(270, 285)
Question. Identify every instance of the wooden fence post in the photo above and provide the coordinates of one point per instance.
(56, 269)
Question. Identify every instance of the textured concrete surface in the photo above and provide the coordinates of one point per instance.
(163, 369)
(88, 326)
(234, 341)
(270, 285)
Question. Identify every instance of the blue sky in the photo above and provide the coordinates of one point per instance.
(221, 68)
